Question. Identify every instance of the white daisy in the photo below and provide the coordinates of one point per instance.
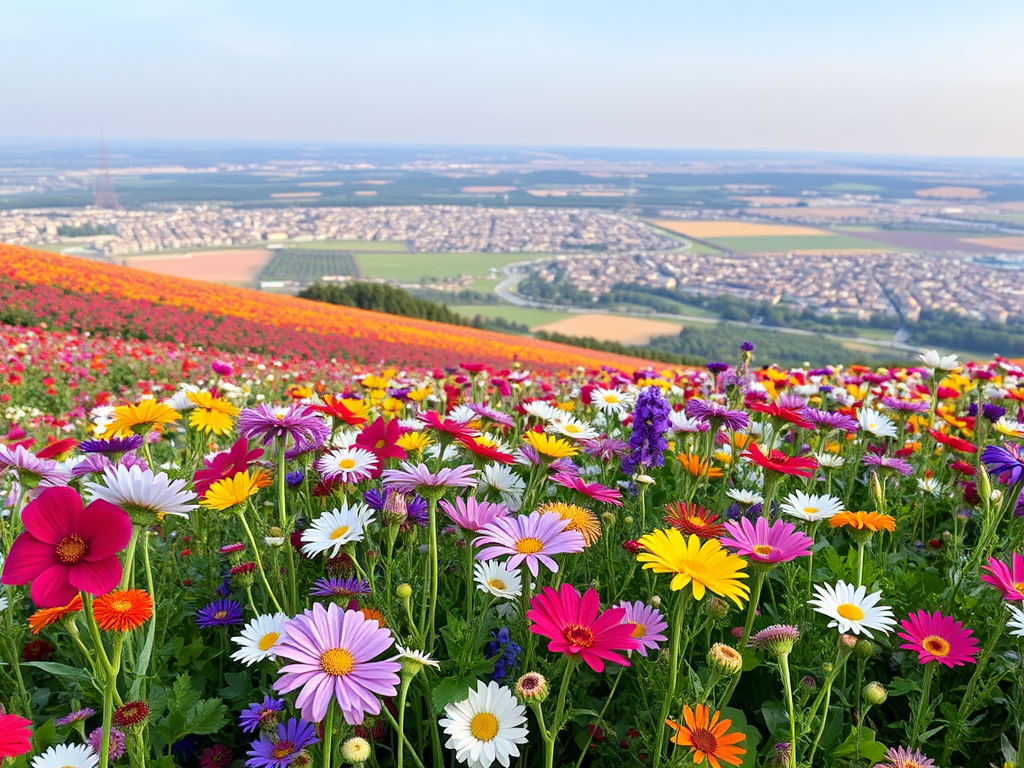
(3, 603)
(932, 359)
(811, 508)
(744, 498)
(505, 482)
(333, 530)
(875, 423)
(611, 400)
(259, 638)
(1009, 427)
(1016, 622)
(683, 423)
(133, 488)
(179, 400)
(931, 485)
(485, 727)
(495, 579)
(572, 428)
(67, 756)
(462, 414)
(543, 410)
(851, 609)
(414, 659)
(347, 465)
(829, 460)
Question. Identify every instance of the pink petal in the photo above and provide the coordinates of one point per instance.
(53, 515)
(28, 558)
(107, 529)
(96, 578)
(51, 589)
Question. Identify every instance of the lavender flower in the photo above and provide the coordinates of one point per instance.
(299, 424)
(888, 462)
(116, 746)
(261, 716)
(717, 415)
(829, 420)
(418, 477)
(337, 587)
(647, 443)
(220, 613)
(76, 716)
(32, 471)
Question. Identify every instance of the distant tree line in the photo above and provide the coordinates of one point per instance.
(954, 331)
(380, 297)
(82, 230)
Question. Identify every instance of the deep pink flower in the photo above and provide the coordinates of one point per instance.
(779, 542)
(594, 491)
(1009, 582)
(472, 514)
(66, 549)
(576, 627)
(938, 638)
(224, 465)
(381, 439)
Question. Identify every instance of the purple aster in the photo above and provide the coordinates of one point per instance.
(333, 651)
(298, 424)
(647, 443)
(747, 346)
(993, 412)
(74, 717)
(649, 625)
(492, 415)
(279, 752)
(220, 613)
(717, 368)
(716, 414)
(531, 539)
(412, 477)
(338, 587)
(115, 747)
(888, 462)
(604, 448)
(32, 471)
(1004, 461)
(829, 420)
(113, 445)
(904, 406)
(261, 717)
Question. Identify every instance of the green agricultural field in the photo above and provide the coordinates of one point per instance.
(413, 267)
(484, 284)
(524, 315)
(308, 266)
(850, 186)
(359, 246)
(784, 243)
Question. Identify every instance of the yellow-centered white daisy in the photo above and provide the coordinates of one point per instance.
(485, 727)
(259, 638)
(67, 756)
(333, 530)
(346, 465)
(572, 428)
(811, 508)
(852, 609)
(495, 579)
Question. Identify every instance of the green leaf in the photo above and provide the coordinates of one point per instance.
(900, 686)
(142, 666)
(206, 717)
(44, 735)
(775, 715)
(450, 690)
(750, 659)
(591, 715)
(60, 670)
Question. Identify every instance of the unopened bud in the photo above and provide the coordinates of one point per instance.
(608, 518)
(716, 608)
(395, 510)
(875, 694)
(865, 649)
(984, 484)
(876, 492)
(532, 688)
(628, 519)
(827, 667)
(645, 479)
(725, 659)
(656, 601)
(404, 591)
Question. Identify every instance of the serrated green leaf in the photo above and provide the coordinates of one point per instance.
(206, 717)
(450, 690)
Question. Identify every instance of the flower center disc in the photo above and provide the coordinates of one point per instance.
(220, 615)
(268, 640)
(121, 606)
(763, 550)
(639, 630)
(337, 662)
(71, 549)
(340, 531)
(496, 584)
(484, 726)
(379, 444)
(346, 463)
(1019, 586)
(283, 749)
(529, 546)
(810, 510)
(850, 611)
(936, 646)
(704, 740)
(578, 636)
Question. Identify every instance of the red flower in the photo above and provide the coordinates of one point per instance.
(594, 491)
(692, 519)
(56, 448)
(953, 442)
(448, 429)
(776, 411)
(225, 465)
(575, 626)
(777, 461)
(381, 439)
(487, 452)
(336, 409)
(15, 736)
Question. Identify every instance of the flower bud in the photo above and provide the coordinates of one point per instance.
(628, 519)
(808, 682)
(827, 667)
(716, 608)
(777, 639)
(656, 601)
(875, 694)
(608, 518)
(404, 591)
(725, 659)
(865, 649)
(984, 484)
(395, 510)
(242, 575)
(532, 688)
(644, 479)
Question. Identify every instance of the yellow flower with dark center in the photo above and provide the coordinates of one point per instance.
(580, 519)
(232, 491)
(213, 414)
(704, 567)
(413, 441)
(139, 418)
(550, 446)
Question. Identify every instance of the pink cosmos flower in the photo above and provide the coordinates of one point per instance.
(333, 651)
(65, 549)
(473, 515)
(594, 491)
(779, 542)
(412, 477)
(576, 627)
(532, 539)
(1009, 582)
(648, 625)
(938, 638)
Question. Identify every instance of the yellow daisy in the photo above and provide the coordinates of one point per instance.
(232, 491)
(550, 446)
(213, 414)
(139, 418)
(413, 441)
(704, 566)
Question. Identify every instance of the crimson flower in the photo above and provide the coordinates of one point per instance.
(693, 519)
(792, 415)
(777, 461)
(448, 429)
(65, 549)
(486, 452)
(951, 441)
(576, 627)
(224, 465)
(381, 439)
(594, 491)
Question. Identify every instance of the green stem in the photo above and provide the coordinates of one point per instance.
(403, 692)
(128, 572)
(600, 717)
(402, 737)
(432, 545)
(328, 744)
(556, 725)
(109, 689)
(259, 560)
(860, 563)
(748, 626)
(282, 517)
(673, 672)
(919, 724)
(788, 685)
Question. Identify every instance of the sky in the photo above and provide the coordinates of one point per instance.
(893, 77)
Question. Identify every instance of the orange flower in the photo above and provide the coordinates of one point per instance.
(122, 610)
(870, 521)
(707, 736)
(692, 519)
(44, 617)
(691, 463)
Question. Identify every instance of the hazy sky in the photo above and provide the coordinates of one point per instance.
(900, 76)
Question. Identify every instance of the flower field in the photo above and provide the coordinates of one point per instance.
(76, 294)
(236, 556)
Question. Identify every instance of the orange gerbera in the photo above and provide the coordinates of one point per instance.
(692, 463)
(122, 610)
(690, 518)
(44, 617)
(707, 736)
(861, 521)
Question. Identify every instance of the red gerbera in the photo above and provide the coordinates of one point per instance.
(692, 519)
(449, 429)
(792, 415)
(486, 452)
(953, 442)
(777, 461)
(224, 465)
(335, 408)
(576, 627)
(65, 549)
(56, 448)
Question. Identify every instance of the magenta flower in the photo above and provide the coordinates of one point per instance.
(779, 542)
(532, 539)
(333, 651)
(576, 627)
(648, 625)
(299, 424)
(418, 477)
(1009, 582)
(472, 514)
(938, 638)
(594, 491)
(65, 549)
